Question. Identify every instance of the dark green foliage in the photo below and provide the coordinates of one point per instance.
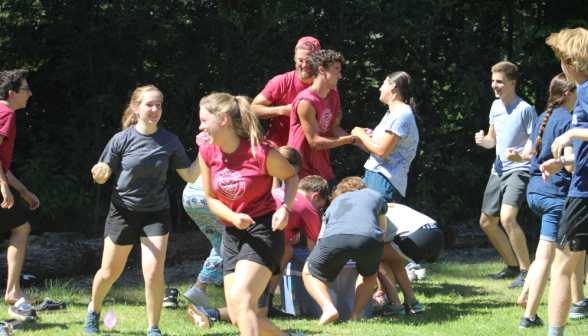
(86, 57)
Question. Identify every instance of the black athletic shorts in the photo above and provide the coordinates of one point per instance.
(257, 243)
(573, 226)
(426, 244)
(126, 227)
(14, 217)
(332, 253)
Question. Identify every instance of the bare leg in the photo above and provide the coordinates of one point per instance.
(537, 277)
(395, 262)
(559, 292)
(114, 259)
(153, 250)
(320, 293)
(200, 285)
(524, 296)
(389, 283)
(15, 256)
(518, 241)
(576, 280)
(242, 296)
(275, 280)
(363, 293)
(498, 238)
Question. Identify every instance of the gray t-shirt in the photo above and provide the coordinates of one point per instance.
(356, 213)
(513, 125)
(139, 163)
(396, 165)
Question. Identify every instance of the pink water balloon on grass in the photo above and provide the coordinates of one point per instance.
(110, 319)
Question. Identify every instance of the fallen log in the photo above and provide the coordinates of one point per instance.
(85, 256)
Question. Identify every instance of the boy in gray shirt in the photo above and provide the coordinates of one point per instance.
(511, 122)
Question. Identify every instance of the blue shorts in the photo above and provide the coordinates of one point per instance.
(381, 184)
(550, 209)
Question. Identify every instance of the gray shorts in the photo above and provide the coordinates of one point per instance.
(510, 189)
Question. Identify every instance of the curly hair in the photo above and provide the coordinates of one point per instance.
(349, 184)
(571, 45)
(324, 58)
(11, 80)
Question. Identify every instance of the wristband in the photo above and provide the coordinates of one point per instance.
(285, 207)
(563, 158)
(352, 140)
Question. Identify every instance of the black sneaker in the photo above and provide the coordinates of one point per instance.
(5, 329)
(506, 273)
(526, 323)
(50, 307)
(519, 281)
(275, 312)
(15, 325)
(171, 298)
(22, 314)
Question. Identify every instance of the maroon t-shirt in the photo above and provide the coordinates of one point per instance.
(315, 162)
(281, 91)
(303, 217)
(242, 183)
(8, 129)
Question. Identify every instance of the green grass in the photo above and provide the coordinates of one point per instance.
(457, 298)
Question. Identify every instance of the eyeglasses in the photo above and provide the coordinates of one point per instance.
(302, 61)
(27, 89)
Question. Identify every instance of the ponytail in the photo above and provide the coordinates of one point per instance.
(241, 119)
(557, 96)
(404, 86)
(129, 117)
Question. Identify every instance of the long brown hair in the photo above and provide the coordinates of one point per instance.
(404, 86)
(241, 118)
(557, 96)
(129, 117)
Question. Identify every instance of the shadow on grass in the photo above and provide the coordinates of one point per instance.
(429, 290)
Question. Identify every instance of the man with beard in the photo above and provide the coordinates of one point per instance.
(275, 101)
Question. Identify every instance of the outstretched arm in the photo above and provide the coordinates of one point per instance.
(563, 140)
(307, 115)
(262, 109)
(382, 149)
(192, 173)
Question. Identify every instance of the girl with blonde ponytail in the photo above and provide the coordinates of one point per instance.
(238, 167)
(546, 199)
(138, 157)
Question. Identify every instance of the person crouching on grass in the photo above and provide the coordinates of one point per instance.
(238, 167)
(354, 227)
(139, 157)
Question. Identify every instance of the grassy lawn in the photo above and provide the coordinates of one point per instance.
(457, 298)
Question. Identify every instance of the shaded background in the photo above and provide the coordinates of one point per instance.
(86, 57)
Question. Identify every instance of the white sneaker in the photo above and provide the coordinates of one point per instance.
(412, 275)
(421, 273)
(412, 266)
(198, 297)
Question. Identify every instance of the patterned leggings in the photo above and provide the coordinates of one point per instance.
(195, 205)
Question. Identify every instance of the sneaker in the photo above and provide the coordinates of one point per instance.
(170, 300)
(272, 311)
(50, 307)
(579, 310)
(15, 325)
(92, 323)
(5, 329)
(519, 281)
(506, 273)
(22, 314)
(412, 266)
(413, 307)
(526, 323)
(198, 297)
(412, 276)
(154, 331)
(390, 310)
(379, 299)
(199, 316)
(421, 274)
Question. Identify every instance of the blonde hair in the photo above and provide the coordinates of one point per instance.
(241, 119)
(571, 45)
(129, 117)
(510, 70)
(349, 184)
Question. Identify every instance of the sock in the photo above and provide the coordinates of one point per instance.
(198, 290)
(214, 314)
(271, 300)
(581, 303)
(556, 331)
(534, 319)
(514, 268)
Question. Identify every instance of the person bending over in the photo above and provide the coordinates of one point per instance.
(354, 227)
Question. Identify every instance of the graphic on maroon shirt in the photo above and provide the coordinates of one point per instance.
(230, 184)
